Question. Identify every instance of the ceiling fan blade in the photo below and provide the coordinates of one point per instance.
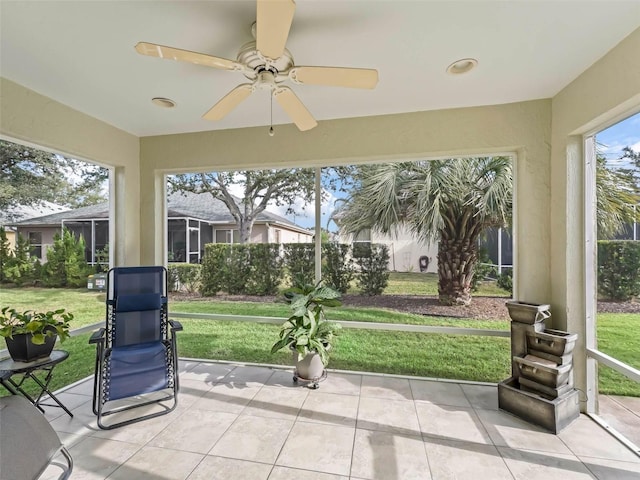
(296, 110)
(273, 21)
(153, 50)
(230, 101)
(335, 76)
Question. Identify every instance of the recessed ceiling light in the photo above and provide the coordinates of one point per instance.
(462, 66)
(163, 102)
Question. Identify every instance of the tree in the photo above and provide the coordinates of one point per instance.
(66, 265)
(259, 188)
(29, 176)
(617, 193)
(452, 201)
(5, 253)
(21, 268)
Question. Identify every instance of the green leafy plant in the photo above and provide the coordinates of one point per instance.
(307, 329)
(39, 324)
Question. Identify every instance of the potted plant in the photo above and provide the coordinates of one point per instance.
(31, 335)
(307, 332)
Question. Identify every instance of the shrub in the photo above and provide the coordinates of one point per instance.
(373, 271)
(505, 280)
(237, 268)
(184, 276)
(5, 254)
(338, 269)
(213, 268)
(484, 269)
(300, 262)
(21, 268)
(267, 269)
(66, 265)
(619, 269)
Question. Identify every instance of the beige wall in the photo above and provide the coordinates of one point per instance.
(260, 234)
(47, 237)
(30, 118)
(404, 250)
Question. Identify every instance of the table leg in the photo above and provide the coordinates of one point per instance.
(45, 389)
(16, 388)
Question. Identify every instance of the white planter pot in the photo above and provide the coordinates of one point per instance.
(309, 367)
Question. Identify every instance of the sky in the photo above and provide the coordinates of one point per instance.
(615, 138)
(612, 141)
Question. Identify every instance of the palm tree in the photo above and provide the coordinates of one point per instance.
(450, 201)
(616, 196)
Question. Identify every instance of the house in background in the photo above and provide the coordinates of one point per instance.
(193, 220)
(406, 254)
(22, 212)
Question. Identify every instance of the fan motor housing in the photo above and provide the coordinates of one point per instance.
(258, 63)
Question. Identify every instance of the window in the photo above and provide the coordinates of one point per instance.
(227, 236)
(363, 236)
(35, 244)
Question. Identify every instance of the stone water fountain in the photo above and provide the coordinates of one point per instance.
(540, 389)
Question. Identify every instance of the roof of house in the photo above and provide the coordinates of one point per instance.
(21, 212)
(197, 206)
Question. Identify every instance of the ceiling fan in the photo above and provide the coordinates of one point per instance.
(267, 63)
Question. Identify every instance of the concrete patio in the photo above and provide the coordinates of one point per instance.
(252, 422)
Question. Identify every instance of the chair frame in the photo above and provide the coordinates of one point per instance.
(103, 338)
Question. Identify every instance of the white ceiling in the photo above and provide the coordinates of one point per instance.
(81, 53)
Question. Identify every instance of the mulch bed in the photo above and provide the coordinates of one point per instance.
(481, 308)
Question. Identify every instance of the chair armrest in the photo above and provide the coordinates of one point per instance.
(97, 336)
(175, 326)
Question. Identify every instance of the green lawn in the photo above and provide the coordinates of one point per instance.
(412, 283)
(430, 355)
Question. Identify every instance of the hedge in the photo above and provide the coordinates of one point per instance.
(619, 269)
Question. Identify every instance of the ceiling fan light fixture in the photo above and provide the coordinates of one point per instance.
(463, 65)
(163, 102)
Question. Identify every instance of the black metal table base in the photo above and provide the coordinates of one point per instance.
(8, 369)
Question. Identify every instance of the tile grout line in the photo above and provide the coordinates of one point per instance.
(355, 428)
(424, 444)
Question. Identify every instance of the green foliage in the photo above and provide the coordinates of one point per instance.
(102, 260)
(237, 268)
(619, 269)
(338, 269)
(505, 280)
(21, 267)
(39, 324)
(484, 269)
(212, 273)
(184, 276)
(30, 176)
(66, 265)
(253, 269)
(299, 259)
(616, 195)
(267, 269)
(373, 268)
(307, 329)
(5, 254)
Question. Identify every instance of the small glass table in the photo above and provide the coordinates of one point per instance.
(10, 368)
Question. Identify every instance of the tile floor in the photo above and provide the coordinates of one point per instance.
(238, 422)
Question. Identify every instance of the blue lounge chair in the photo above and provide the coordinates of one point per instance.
(136, 353)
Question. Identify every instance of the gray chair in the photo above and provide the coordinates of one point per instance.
(28, 443)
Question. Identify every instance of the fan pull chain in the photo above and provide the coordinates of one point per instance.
(271, 132)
